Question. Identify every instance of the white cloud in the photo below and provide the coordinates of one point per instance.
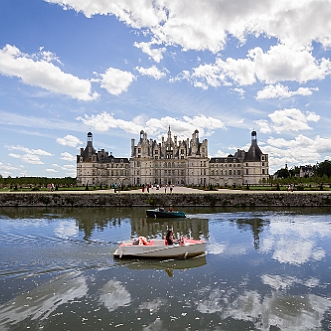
(283, 63)
(44, 74)
(182, 127)
(51, 170)
(29, 151)
(31, 158)
(15, 156)
(240, 91)
(205, 25)
(105, 121)
(116, 81)
(280, 63)
(281, 91)
(155, 53)
(69, 140)
(67, 156)
(31, 155)
(301, 150)
(5, 169)
(152, 72)
(241, 72)
(287, 120)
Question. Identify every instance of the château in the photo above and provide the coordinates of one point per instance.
(172, 161)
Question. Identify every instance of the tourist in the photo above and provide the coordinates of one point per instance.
(170, 240)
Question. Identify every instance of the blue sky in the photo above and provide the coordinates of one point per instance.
(224, 67)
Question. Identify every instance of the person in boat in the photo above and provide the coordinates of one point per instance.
(170, 238)
(171, 209)
(161, 209)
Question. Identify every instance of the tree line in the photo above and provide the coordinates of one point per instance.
(36, 181)
(319, 173)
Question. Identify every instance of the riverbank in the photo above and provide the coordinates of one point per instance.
(182, 197)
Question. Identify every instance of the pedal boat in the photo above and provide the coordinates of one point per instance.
(157, 248)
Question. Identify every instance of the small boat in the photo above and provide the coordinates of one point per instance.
(161, 213)
(157, 248)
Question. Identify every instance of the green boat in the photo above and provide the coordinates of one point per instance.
(161, 213)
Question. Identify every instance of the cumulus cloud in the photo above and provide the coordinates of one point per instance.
(116, 81)
(152, 72)
(281, 91)
(280, 63)
(222, 73)
(287, 120)
(300, 150)
(51, 170)
(29, 150)
(182, 127)
(44, 74)
(184, 23)
(69, 140)
(155, 53)
(15, 156)
(31, 155)
(67, 156)
(31, 158)
(104, 121)
(283, 63)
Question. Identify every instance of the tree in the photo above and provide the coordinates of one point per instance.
(283, 173)
(323, 168)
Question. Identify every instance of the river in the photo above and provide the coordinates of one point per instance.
(264, 269)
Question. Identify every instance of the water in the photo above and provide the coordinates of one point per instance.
(264, 270)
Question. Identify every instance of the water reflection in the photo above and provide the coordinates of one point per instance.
(296, 243)
(256, 225)
(264, 271)
(167, 265)
(44, 299)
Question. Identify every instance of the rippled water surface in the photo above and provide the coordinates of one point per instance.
(264, 270)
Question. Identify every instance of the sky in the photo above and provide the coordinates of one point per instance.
(224, 67)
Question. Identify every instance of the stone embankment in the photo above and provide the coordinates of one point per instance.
(201, 199)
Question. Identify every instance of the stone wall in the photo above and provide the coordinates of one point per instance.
(155, 200)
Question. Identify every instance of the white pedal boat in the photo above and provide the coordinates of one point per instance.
(157, 248)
